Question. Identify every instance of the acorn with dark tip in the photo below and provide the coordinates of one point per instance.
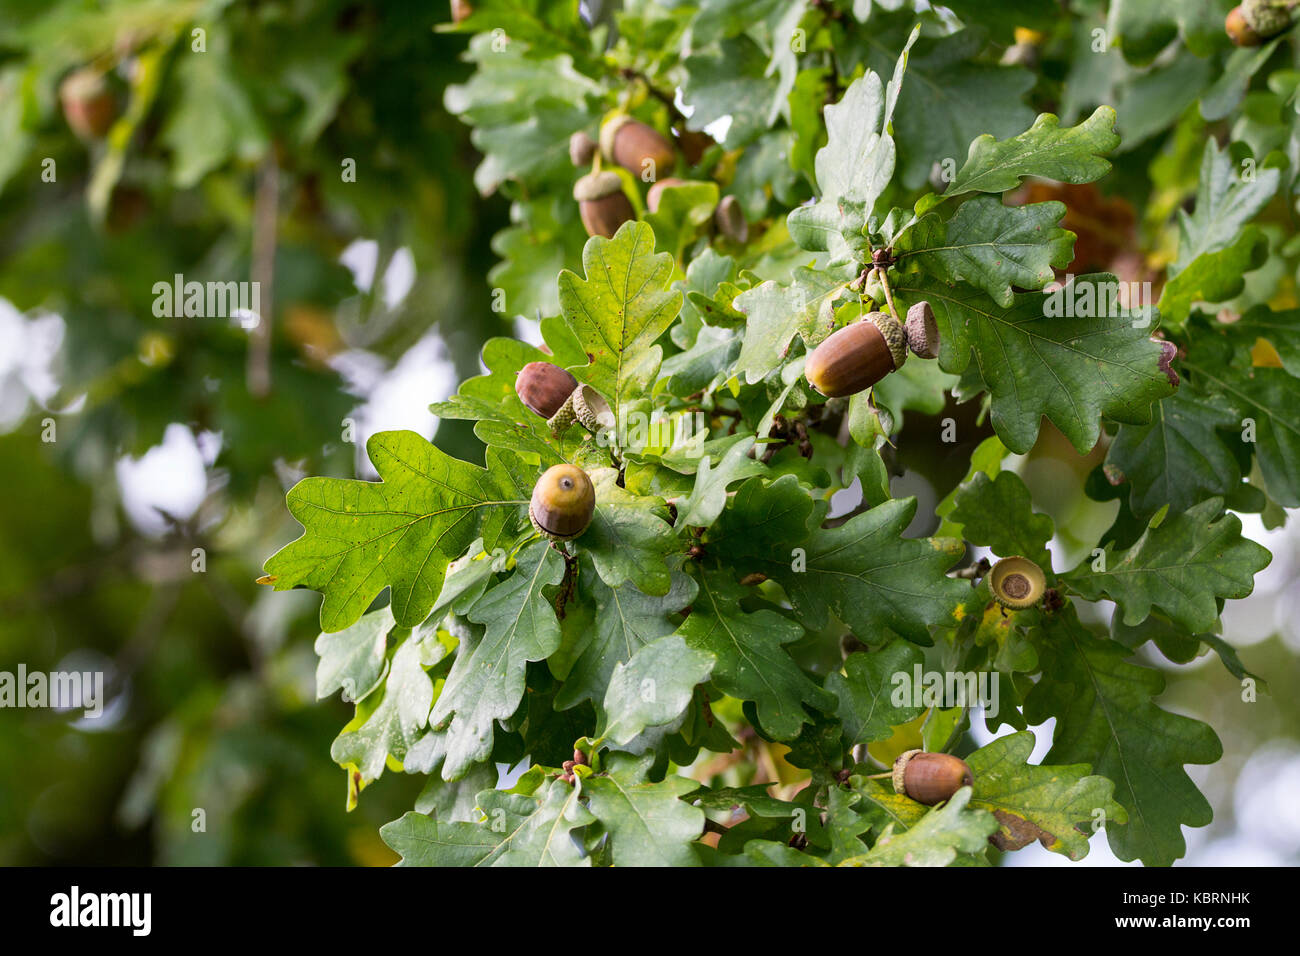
(602, 204)
(930, 778)
(632, 144)
(1017, 583)
(563, 502)
(857, 356)
(544, 387)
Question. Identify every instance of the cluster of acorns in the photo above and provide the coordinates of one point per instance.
(1255, 22)
(563, 499)
(858, 356)
(631, 144)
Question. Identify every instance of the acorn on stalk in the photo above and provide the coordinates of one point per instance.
(563, 502)
(930, 778)
(581, 148)
(857, 356)
(89, 105)
(1017, 583)
(632, 144)
(544, 387)
(1255, 21)
(602, 204)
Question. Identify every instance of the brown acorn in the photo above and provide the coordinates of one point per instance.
(89, 105)
(1016, 582)
(602, 203)
(857, 356)
(544, 387)
(655, 192)
(922, 331)
(460, 9)
(1238, 30)
(730, 219)
(632, 144)
(581, 148)
(563, 502)
(930, 778)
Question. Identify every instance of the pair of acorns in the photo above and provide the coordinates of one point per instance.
(858, 356)
(602, 203)
(563, 500)
(1256, 21)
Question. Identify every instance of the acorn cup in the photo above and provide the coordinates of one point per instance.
(591, 410)
(1262, 19)
(930, 778)
(857, 356)
(544, 387)
(563, 502)
(602, 203)
(630, 143)
(922, 331)
(1017, 583)
(730, 220)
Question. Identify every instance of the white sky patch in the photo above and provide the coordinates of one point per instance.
(29, 350)
(170, 477)
(361, 258)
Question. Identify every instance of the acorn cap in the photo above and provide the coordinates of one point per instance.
(1265, 18)
(609, 131)
(922, 331)
(900, 769)
(1017, 583)
(544, 387)
(894, 333)
(595, 186)
(563, 502)
(591, 409)
(730, 219)
(851, 360)
(564, 416)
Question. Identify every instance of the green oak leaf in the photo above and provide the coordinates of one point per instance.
(1181, 458)
(709, 496)
(626, 620)
(774, 314)
(390, 722)
(1225, 202)
(1071, 155)
(866, 688)
(1280, 329)
(648, 823)
(683, 210)
(619, 309)
(1106, 717)
(1180, 566)
(486, 681)
(653, 688)
(729, 80)
(935, 839)
(992, 246)
(1036, 359)
(864, 571)
(1214, 276)
(401, 532)
(627, 539)
(999, 514)
(1045, 803)
(752, 664)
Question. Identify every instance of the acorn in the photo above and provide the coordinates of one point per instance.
(581, 148)
(636, 147)
(544, 387)
(730, 219)
(1239, 31)
(602, 203)
(89, 105)
(1017, 583)
(857, 356)
(563, 502)
(922, 331)
(655, 192)
(930, 778)
(460, 10)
